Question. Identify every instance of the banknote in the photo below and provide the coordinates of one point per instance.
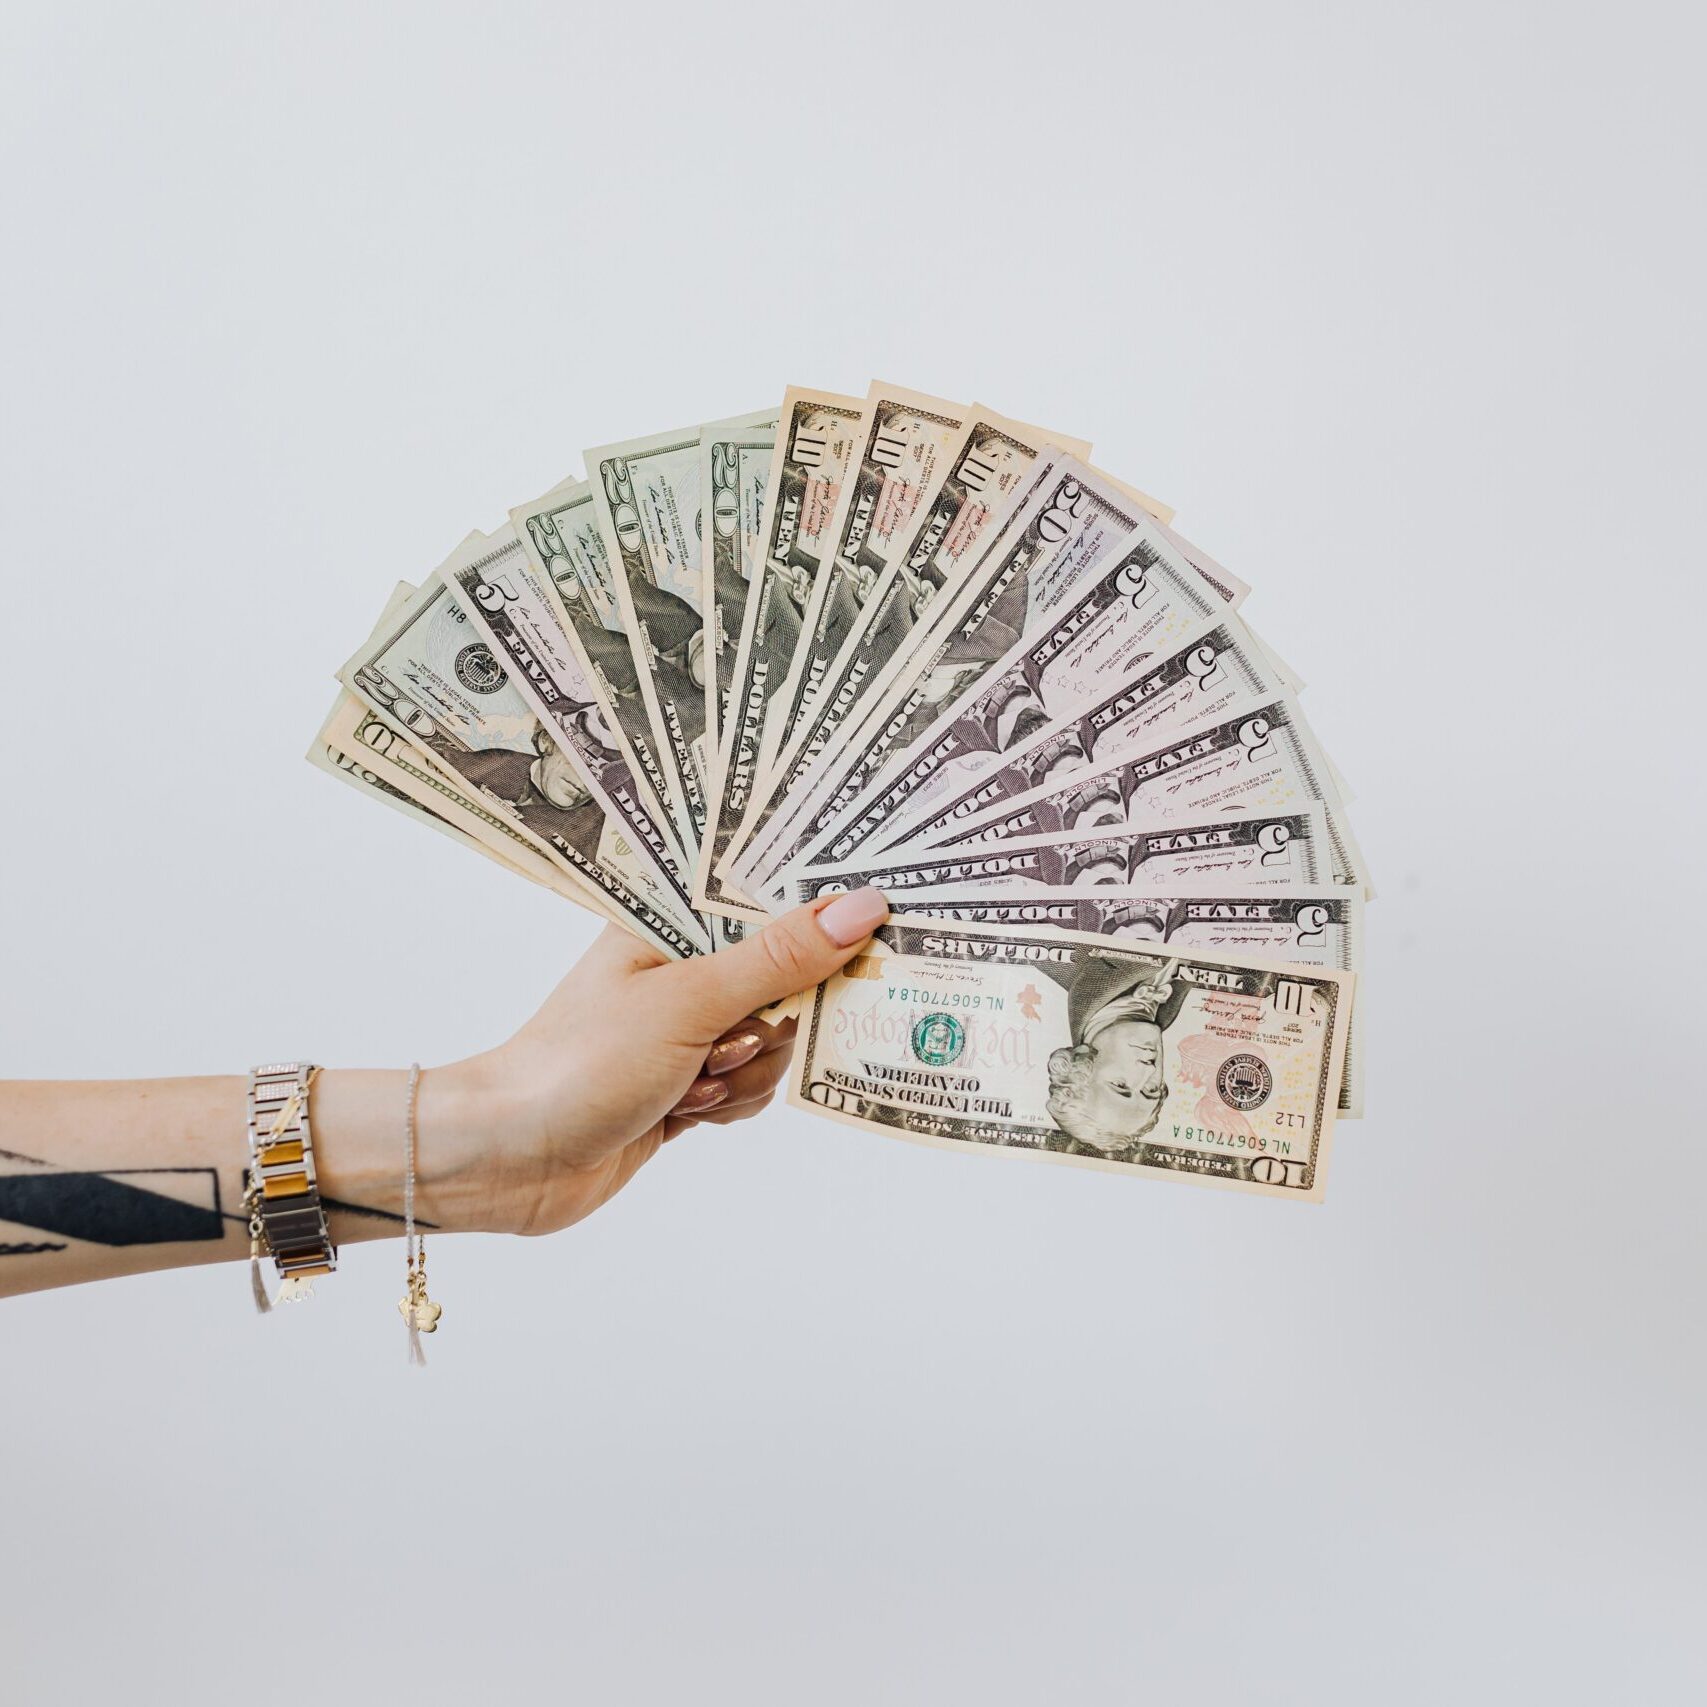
(1314, 927)
(1084, 1049)
(1042, 560)
(1152, 630)
(902, 441)
(435, 677)
(380, 763)
(500, 592)
(647, 496)
(357, 774)
(560, 534)
(345, 748)
(1285, 849)
(373, 758)
(814, 444)
(734, 470)
(335, 751)
(1263, 760)
(360, 750)
(898, 461)
(822, 791)
(899, 642)
(961, 766)
(983, 474)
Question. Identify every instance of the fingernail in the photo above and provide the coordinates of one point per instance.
(732, 1052)
(851, 918)
(702, 1096)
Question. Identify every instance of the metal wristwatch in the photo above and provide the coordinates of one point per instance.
(284, 1192)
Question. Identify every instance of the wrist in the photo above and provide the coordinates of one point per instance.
(360, 1119)
(461, 1116)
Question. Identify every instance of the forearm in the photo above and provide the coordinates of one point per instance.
(98, 1180)
(106, 1179)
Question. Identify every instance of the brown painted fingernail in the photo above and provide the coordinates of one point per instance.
(732, 1052)
(706, 1093)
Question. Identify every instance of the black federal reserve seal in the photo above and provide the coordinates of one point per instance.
(478, 670)
(938, 1039)
(1244, 1082)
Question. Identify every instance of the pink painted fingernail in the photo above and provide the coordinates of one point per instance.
(851, 918)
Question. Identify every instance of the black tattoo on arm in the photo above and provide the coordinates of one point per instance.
(107, 1209)
(337, 1206)
(104, 1209)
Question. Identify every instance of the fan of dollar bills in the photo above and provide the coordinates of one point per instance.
(899, 641)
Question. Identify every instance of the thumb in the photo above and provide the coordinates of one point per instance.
(802, 948)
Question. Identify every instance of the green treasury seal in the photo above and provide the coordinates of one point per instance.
(938, 1039)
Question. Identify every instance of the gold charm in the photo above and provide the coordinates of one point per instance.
(416, 1307)
(426, 1314)
(294, 1289)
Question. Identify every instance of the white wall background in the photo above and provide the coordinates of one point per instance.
(1401, 308)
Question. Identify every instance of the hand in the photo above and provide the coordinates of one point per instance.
(628, 1051)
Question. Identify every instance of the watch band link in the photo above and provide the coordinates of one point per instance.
(284, 1187)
